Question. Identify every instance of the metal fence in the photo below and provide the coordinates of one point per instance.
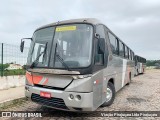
(12, 60)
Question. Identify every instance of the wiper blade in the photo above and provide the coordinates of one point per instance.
(42, 53)
(61, 59)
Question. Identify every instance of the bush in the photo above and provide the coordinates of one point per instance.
(152, 62)
(14, 72)
(4, 66)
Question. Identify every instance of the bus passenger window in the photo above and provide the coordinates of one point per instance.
(129, 54)
(126, 52)
(113, 44)
(121, 49)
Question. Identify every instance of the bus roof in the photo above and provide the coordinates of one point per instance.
(93, 21)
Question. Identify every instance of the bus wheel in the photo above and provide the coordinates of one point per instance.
(129, 79)
(110, 95)
(137, 72)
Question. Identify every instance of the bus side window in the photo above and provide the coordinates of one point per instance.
(126, 52)
(130, 54)
(113, 43)
(121, 49)
(99, 58)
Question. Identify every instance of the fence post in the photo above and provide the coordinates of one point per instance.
(2, 62)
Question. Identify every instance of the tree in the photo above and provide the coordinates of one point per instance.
(4, 66)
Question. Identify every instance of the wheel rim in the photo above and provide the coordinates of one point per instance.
(108, 94)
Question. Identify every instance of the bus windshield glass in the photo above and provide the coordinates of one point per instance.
(69, 45)
(73, 45)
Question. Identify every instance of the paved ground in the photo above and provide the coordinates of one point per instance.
(11, 94)
(143, 94)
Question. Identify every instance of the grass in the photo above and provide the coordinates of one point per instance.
(13, 103)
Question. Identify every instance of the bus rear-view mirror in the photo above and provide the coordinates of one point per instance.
(22, 46)
(22, 43)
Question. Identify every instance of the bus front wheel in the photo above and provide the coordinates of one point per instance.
(110, 95)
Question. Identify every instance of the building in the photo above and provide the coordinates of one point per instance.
(14, 67)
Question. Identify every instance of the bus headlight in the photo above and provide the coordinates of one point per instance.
(81, 76)
(71, 96)
(78, 97)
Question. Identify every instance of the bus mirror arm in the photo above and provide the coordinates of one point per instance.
(101, 46)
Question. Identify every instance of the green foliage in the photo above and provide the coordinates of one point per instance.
(152, 62)
(4, 66)
(7, 72)
(14, 72)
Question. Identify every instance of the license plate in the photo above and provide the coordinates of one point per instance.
(45, 94)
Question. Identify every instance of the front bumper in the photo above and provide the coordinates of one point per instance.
(84, 104)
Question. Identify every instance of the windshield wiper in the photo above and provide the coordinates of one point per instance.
(42, 53)
(61, 59)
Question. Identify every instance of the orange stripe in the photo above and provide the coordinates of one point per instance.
(29, 78)
(33, 79)
(46, 81)
(37, 79)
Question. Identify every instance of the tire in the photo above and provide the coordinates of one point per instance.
(110, 101)
(143, 71)
(129, 79)
(137, 72)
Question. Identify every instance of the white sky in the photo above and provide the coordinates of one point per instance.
(136, 22)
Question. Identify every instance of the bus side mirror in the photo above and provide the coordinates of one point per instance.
(101, 46)
(22, 46)
(22, 43)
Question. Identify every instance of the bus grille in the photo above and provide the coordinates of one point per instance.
(52, 102)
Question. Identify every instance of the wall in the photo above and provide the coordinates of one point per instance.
(11, 81)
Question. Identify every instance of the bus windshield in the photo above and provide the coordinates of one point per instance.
(71, 46)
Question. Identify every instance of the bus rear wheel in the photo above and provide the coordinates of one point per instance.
(129, 79)
(110, 95)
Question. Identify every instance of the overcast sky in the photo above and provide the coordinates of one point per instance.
(136, 22)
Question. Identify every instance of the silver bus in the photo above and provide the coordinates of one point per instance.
(76, 65)
(140, 65)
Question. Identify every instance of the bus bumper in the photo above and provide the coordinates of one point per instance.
(61, 99)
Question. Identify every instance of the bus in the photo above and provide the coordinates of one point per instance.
(76, 65)
(140, 65)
